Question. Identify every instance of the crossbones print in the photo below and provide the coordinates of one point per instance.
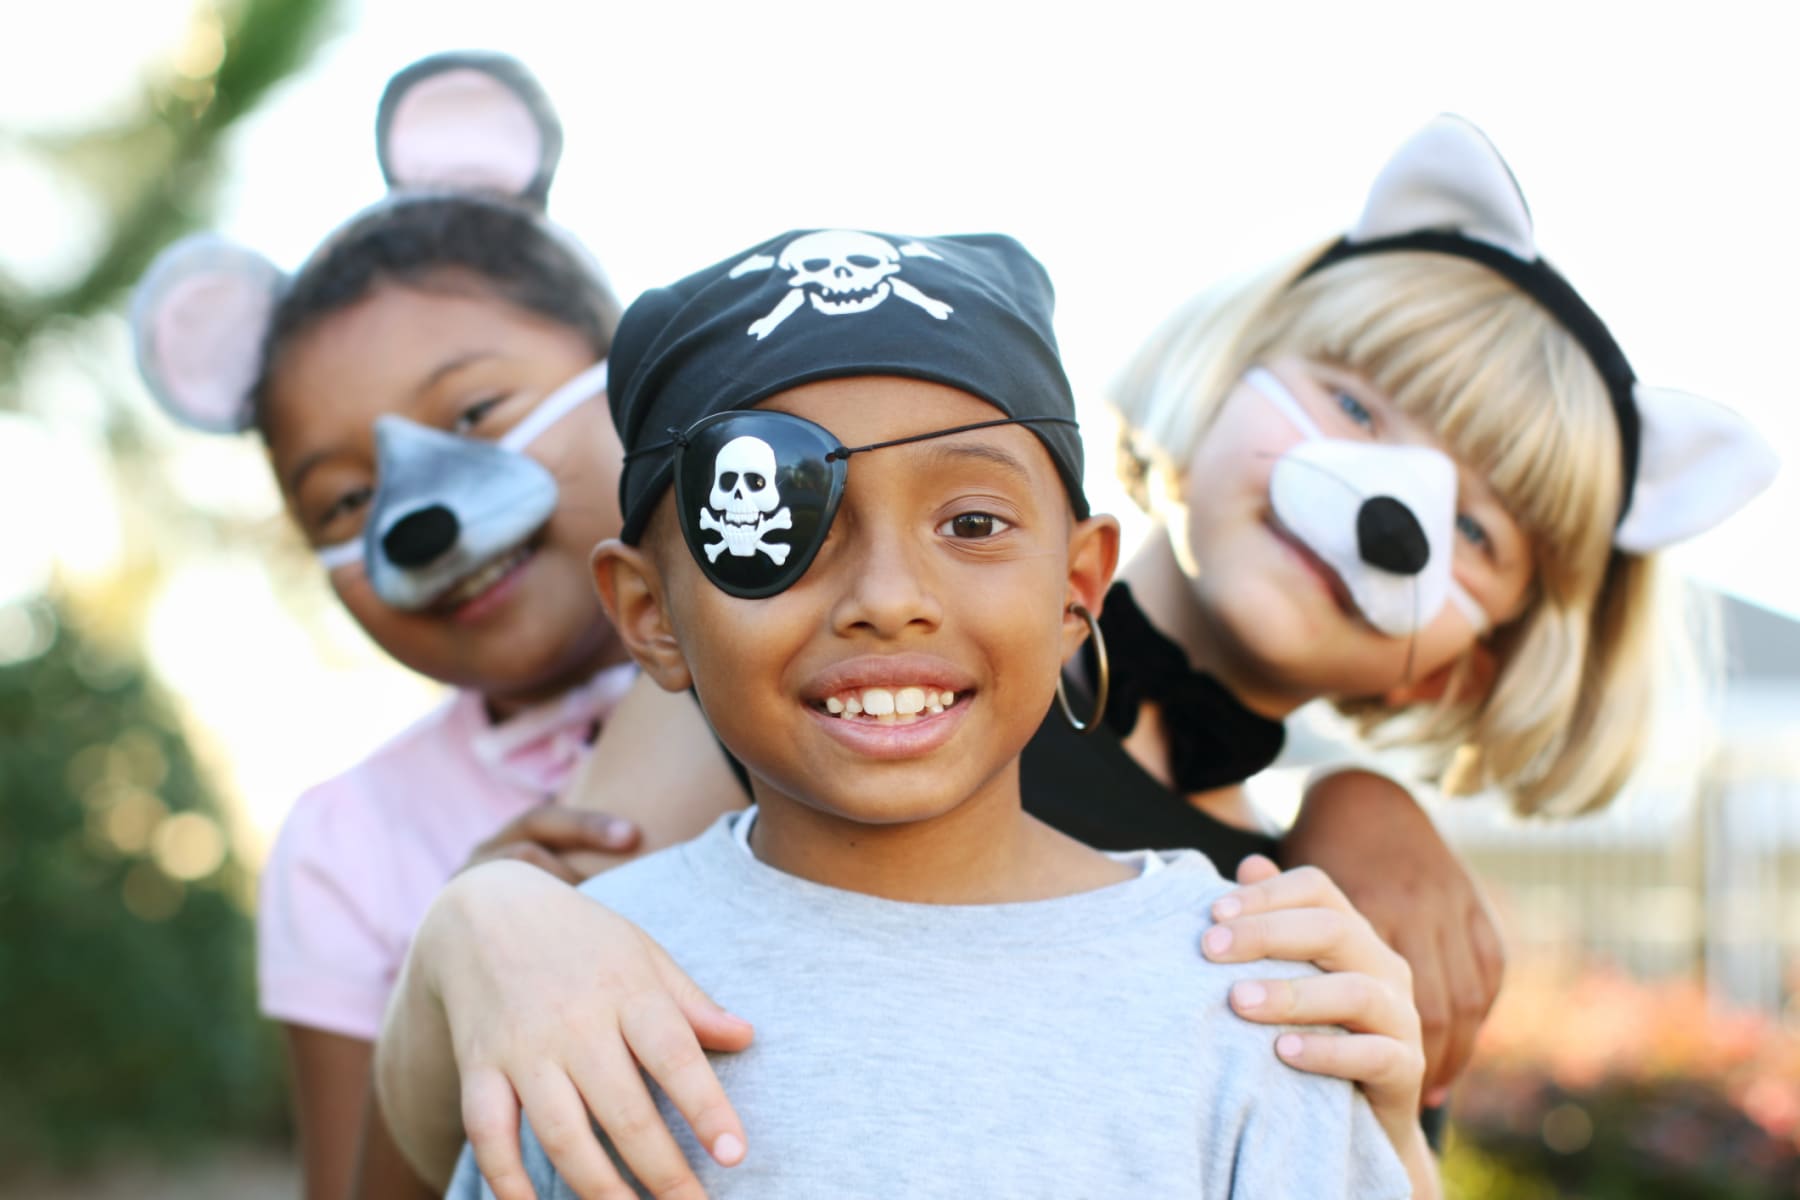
(841, 272)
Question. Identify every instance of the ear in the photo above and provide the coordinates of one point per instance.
(1093, 557)
(1468, 680)
(1449, 177)
(198, 320)
(631, 593)
(1698, 462)
(469, 120)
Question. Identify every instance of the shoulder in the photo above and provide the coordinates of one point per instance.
(421, 766)
(684, 877)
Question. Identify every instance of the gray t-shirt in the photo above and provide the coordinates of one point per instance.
(1075, 1047)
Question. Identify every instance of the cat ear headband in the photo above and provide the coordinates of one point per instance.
(1688, 463)
(457, 122)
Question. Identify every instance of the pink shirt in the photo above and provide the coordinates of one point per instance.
(360, 857)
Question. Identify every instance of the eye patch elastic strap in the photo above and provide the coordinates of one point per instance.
(767, 486)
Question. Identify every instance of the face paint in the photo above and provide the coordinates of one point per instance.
(1383, 517)
(756, 492)
(446, 506)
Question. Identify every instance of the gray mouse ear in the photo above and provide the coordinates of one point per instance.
(1449, 177)
(469, 120)
(198, 320)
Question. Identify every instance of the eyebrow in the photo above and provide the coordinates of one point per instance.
(438, 374)
(984, 452)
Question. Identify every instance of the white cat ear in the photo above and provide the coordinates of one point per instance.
(198, 319)
(469, 120)
(1698, 462)
(1449, 178)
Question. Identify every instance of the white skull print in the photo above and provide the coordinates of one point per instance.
(842, 272)
(745, 497)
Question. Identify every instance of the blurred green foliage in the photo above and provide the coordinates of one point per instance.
(126, 956)
(154, 173)
(126, 950)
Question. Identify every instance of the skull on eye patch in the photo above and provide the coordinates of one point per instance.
(756, 492)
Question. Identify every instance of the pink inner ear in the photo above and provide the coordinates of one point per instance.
(464, 128)
(208, 336)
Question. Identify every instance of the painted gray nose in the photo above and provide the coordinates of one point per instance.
(421, 536)
(1389, 537)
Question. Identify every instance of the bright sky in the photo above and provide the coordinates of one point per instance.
(1140, 150)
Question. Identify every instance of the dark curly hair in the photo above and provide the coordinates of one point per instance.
(508, 247)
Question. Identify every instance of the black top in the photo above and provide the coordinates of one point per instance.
(1089, 786)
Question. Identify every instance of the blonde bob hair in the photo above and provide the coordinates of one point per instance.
(1511, 394)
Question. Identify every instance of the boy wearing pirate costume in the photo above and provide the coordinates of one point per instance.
(854, 524)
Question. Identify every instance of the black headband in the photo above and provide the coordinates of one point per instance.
(1543, 283)
(969, 312)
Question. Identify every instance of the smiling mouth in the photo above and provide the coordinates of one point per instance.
(1332, 581)
(475, 583)
(887, 706)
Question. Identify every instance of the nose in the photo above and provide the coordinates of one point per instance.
(1388, 536)
(421, 536)
(885, 591)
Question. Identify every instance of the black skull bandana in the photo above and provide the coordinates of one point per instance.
(756, 492)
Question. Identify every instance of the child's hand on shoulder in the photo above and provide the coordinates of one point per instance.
(1382, 849)
(1301, 916)
(569, 843)
(559, 1035)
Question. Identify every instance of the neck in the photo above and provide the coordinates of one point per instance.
(985, 850)
(608, 652)
(1166, 594)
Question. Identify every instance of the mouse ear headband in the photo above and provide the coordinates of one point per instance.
(458, 122)
(1688, 463)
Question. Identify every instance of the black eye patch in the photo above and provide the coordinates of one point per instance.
(756, 492)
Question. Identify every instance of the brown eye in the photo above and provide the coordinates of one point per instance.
(470, 417)
(973, 525)
(346, 504)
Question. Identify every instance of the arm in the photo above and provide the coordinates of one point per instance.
(1301, 916)
(658, 766)
(331, 1096)
(1370, 835)
(533, 1027)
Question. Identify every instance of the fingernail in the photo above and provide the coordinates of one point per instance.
(728, 1149)
(1249, 994)
(1288, 1045)
(1227, 908)
(1436, 1097)
(619, 831)
(1217, 941)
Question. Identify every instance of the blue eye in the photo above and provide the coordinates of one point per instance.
(1353, 408)
(1473, 532)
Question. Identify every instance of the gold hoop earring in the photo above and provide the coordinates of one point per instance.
(1103, 670)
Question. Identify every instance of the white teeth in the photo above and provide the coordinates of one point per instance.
(484, 579)
(903, 704)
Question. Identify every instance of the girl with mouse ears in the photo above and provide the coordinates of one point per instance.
(430, 389)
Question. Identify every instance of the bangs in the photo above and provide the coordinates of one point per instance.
(1459, 349)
